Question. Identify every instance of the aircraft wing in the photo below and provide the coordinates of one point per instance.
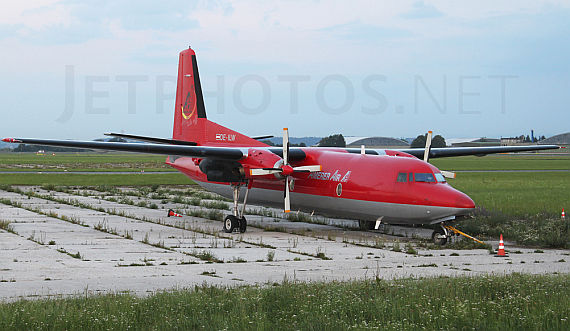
(179, 150)
(478, 151)
(237, 153)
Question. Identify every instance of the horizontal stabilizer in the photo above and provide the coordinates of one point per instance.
(262, 137)
(153, 139)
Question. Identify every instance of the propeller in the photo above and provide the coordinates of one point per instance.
(446, 174)
(428, 146)
(285, 170)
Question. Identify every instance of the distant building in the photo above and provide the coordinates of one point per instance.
(559, 139)
(511, 141)
(472, 142)
(375, 142)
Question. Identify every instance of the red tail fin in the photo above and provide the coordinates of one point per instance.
(190, 122)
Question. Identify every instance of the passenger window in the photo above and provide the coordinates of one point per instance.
(410, 177)
(402, 176)
(427, 178)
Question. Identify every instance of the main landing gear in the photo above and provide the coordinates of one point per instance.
(237, 222)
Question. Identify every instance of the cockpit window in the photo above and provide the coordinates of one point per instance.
(402, 177)
(440, 178)
(421, 177)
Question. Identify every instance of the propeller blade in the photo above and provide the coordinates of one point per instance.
(287, 200)
(285, 146)
(428, 146)
(264, 171)
(448, 174)
(309, 168)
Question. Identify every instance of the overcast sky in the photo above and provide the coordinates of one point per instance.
(361, 68)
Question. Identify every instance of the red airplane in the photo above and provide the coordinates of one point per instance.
(371, 185)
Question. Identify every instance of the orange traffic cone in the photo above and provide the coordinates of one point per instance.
(563, 214)
(501, 251)
(172, 213)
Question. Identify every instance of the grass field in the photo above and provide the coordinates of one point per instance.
(135, 179)
(83, 162)
(524, 302)
(525, 207)
(136, 162)
(517, 193)
(504, 162)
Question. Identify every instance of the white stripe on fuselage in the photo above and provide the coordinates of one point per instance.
(341, 207)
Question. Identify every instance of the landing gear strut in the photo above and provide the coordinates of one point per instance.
(237, 220)
(365, 225)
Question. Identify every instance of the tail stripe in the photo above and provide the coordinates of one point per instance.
(198, 87)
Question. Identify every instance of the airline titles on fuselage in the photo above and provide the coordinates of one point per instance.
(327, 176)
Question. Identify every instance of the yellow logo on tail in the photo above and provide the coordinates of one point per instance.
(186, 104)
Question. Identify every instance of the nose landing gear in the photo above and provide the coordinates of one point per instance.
(439, 236)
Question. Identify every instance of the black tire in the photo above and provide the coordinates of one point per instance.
(438, 237)
(366, 225)
(242, 225)
(230, 223)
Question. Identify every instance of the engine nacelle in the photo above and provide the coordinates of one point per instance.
(258, 158)
(222, 170)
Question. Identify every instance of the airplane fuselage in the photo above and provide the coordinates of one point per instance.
(398, 189)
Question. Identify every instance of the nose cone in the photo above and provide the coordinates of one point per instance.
(463, 201)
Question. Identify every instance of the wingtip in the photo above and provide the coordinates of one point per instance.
(11, 140)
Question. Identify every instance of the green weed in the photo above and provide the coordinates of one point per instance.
(528, 302)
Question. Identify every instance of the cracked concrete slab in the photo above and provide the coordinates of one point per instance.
(125, 247)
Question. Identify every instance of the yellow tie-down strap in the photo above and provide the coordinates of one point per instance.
(454, 230)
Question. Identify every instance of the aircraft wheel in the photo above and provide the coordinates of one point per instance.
(242, 225)
(438, 237)
(230, 223)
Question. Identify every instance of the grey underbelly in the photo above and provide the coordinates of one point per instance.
(340, 207)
